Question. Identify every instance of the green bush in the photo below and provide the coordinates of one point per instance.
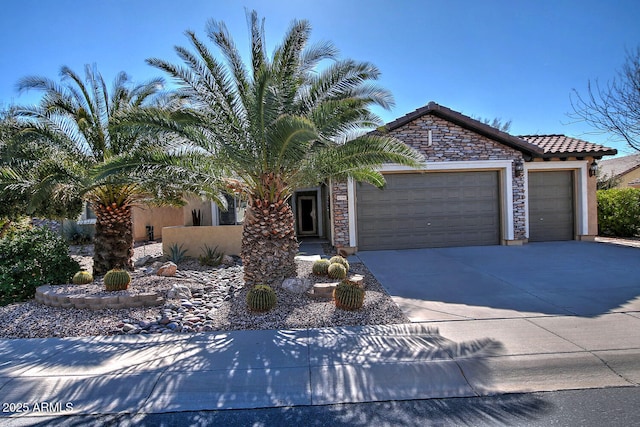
(31, 258)
(619, 212)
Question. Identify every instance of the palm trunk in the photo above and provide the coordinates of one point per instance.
(113, 242)
(269, 244)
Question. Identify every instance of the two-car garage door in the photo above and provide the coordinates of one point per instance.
(436, 209)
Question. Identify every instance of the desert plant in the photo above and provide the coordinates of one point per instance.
(75, 234)
(261, 298)
(211, 256)
(30, 258)
(279, 122)
(320, 267)
(340, 260)
(348, 295)
(82, 277)
(337, 271)
(117, 280)
(176, 253)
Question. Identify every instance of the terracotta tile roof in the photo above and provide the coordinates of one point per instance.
(561, 145)
(620, 165)
(534, 145)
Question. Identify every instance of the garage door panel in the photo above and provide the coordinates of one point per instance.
(430, 210)
(551, 206)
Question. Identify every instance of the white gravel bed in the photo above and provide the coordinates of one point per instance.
(219, 303)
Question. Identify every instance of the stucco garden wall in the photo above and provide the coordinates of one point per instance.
(227, 238)
(158, 217)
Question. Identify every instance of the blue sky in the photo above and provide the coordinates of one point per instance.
(513, 59)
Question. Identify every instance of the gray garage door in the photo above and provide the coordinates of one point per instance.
(436, 209)
(551, 212)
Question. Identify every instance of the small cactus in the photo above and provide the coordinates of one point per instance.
(320, 267)
(82, 278)
(337, 271)
(348, 296)
(117, 280)
(340, 260)
(261, 298)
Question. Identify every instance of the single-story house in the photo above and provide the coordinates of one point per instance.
(626, 170)
(478, 186)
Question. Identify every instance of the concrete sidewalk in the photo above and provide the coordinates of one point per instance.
(255, 369)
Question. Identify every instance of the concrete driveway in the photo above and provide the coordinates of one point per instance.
(585, 279)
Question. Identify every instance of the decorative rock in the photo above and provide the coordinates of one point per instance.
(228, 260)
(127, 327)
(296, 285)
(167, 270)
(179, 292)
(323, 290)
(153, 268)
(142, 261)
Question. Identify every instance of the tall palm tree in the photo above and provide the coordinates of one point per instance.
(73, 133)
(279, 123)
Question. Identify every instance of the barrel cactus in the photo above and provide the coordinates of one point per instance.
(337, 271)
(340, 260)
(117, 280)
(82, 278)
(348, 296)
(261, 298)
(320, 267)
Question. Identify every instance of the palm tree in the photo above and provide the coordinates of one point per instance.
(72, 133)
(277, 124)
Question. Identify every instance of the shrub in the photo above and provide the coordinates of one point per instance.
(619, 212)
(117, 280)
(337, 271)
(31, 258)
(261, 298)
(320, 267)
(176, 253)
(82, 278)
(348, 296)
(211, 256)
(340, 260)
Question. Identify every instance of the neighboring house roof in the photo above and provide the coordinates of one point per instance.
(635, 183)
(620, 165)
(544, 146)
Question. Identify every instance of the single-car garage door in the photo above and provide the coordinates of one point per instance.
(551, 212)
(436, 209)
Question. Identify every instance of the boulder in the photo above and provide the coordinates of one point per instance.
(168, 270)
(179, 292)
(142, 261)
(296, 285)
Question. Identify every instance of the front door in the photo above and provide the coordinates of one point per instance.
(307, 217)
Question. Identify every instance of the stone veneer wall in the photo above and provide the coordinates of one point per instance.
(450, 142)
(340, 214)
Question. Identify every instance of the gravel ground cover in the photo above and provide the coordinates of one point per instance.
(216, 300)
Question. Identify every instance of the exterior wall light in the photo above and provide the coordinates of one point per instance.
(518, 167)
(593, 168)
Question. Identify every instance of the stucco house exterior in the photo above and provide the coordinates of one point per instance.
(626, 169)
(478, 186)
